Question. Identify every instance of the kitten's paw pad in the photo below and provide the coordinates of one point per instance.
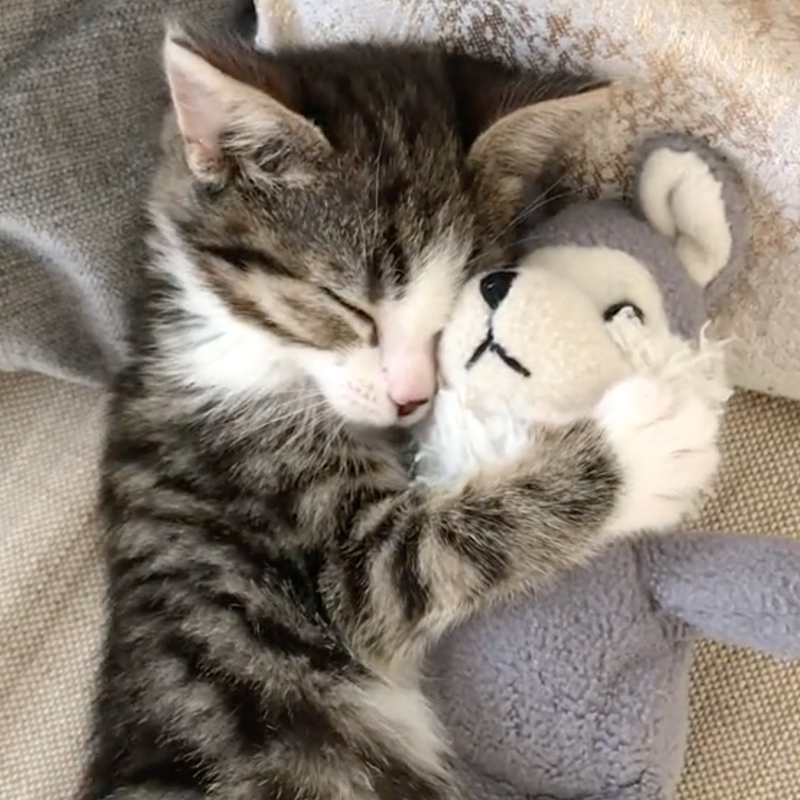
(666, 445)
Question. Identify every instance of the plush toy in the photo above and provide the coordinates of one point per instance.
(581, 692)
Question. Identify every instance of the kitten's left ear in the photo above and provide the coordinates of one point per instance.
(513, 124)
(230, 101)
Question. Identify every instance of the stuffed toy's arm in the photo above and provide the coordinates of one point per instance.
(740, 590)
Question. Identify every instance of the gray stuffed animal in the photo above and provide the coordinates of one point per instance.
(582, 691)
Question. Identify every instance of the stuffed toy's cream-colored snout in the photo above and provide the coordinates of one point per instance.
(531, 343)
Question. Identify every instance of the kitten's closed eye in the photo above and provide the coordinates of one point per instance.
(364, 316)
(391, 378)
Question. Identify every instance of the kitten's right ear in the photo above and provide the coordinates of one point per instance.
(219, 114)
(520, 142)
(513, 122)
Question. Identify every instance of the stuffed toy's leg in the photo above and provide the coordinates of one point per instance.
(740, 590)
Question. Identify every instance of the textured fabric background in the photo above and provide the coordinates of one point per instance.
(746, 708)
(51, 585)
(80, 92)
(80, 98)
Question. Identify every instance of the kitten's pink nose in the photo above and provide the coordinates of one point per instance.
(407, 409)
(410, 378)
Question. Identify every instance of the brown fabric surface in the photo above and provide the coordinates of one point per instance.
(51, 587)
(745, 738)
(746, 708)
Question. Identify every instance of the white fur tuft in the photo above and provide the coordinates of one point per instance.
(458, 442)
(691, 370)
(221, 356)
(665, 445)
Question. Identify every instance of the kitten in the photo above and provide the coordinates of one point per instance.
(273, 578)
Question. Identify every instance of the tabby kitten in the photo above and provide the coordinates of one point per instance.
(273, 578)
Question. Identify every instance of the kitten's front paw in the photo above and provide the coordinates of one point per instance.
(666, 445)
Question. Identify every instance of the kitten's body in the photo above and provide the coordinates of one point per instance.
(274, 579)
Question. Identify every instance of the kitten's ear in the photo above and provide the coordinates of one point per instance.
(519, 143)
(229, 106)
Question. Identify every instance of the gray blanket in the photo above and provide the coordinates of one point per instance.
(81, 95)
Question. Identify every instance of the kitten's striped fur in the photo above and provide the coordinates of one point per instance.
(274, 579)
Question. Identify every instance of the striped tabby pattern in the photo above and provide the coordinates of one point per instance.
(274, 579)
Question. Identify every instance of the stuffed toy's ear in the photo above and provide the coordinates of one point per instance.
(693, 196)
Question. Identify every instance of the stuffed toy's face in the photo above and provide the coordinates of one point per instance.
(536, 341)
(537, 344)
(606, 291)
(542, 336)
(541, 344)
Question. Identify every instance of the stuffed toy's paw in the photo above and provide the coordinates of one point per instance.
(665, 443)
(691, 369)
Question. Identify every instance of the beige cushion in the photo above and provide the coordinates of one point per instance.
(50, 582)
(745, 742)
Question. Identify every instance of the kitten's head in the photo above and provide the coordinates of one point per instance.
(318, 209)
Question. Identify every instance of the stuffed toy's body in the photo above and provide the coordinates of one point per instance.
(581, 693)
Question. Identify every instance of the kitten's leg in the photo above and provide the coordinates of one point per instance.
(237, 718)
(416, 561)
(216, 685)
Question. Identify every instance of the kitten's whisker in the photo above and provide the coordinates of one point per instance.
(378, 183)
(364, 248)
(295, 413)
(540, 200)
(527, 211)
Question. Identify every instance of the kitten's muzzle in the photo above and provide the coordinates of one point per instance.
(410, 375)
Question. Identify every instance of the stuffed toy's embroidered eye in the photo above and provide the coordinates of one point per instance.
(495, 286)
(615, 309)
